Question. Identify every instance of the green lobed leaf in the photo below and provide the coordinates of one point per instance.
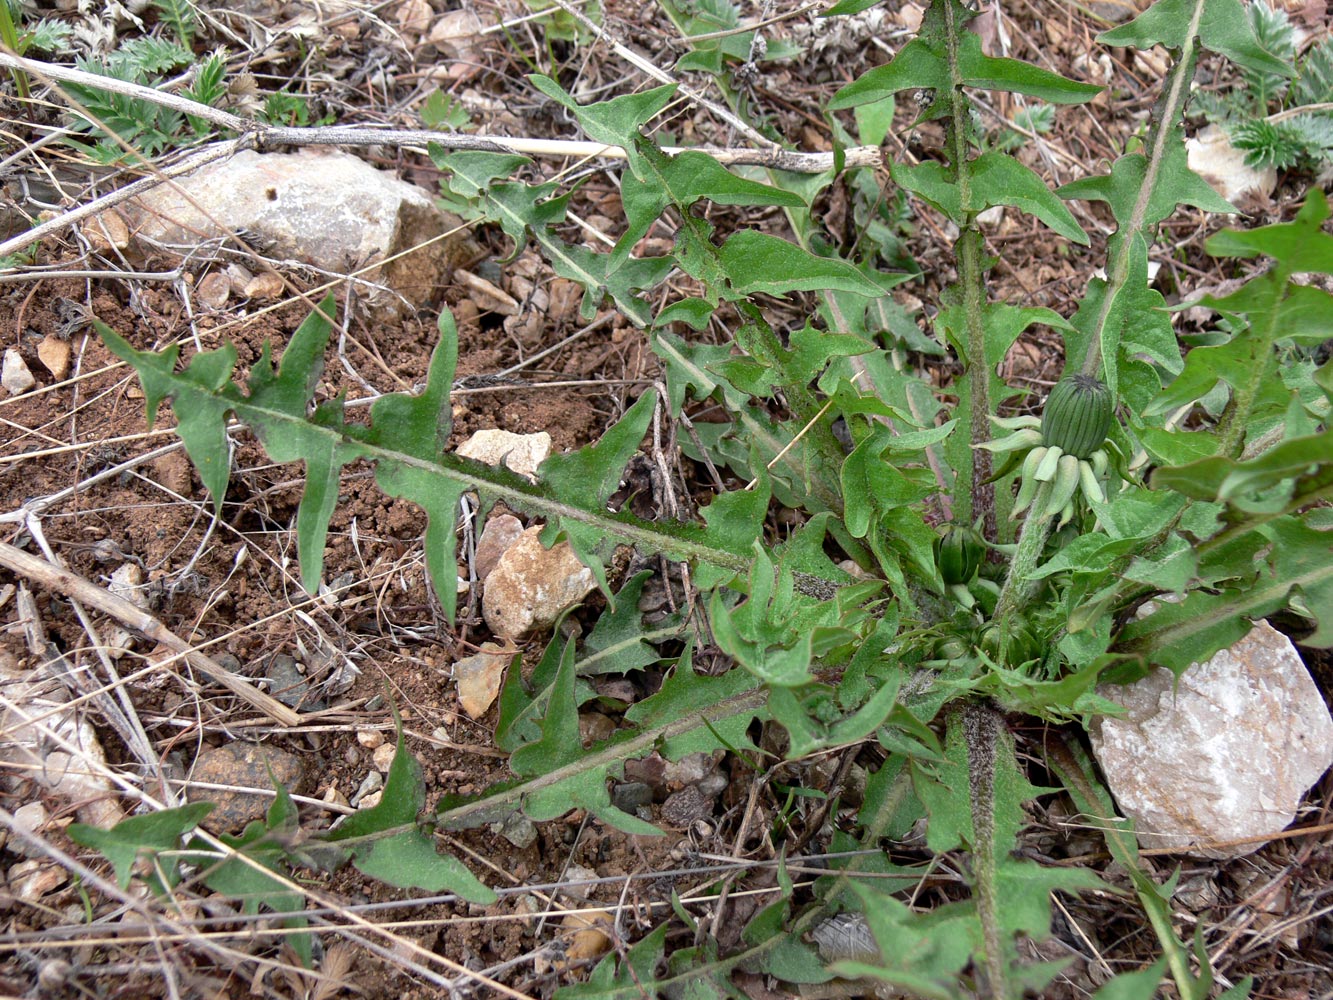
(1176, 635)
(1220, 25)
(691, 713)
(386, 843)
(143, 836)
(262, 849)
(561, 746)
(1301, 463)
(994, 179)
(1176, 184)
(922, 64)
(404, 442)
(756, 262)
(615, 122)
(1301, 245)
(921, 953)
(408, 859)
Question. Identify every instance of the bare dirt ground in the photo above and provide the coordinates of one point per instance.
(232, 586)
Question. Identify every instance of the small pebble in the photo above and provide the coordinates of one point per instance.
(370, 738)
(373, 782)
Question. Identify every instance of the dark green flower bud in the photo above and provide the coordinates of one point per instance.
(958, 555)
(1012, 648)
(1077, 416)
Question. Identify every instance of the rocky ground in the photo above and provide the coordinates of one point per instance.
(83, 478)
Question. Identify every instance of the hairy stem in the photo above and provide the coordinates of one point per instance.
(1168, 111)
(981, 730)
(1031, 541)
(972, 493)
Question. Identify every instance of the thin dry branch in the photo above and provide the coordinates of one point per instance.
(71, 585)
(261, 135)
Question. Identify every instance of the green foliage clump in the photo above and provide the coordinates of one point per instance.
(886, 613)
(1279, 118)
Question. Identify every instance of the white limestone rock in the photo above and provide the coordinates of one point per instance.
(15, 375)
(1227, 755)
(521, 453)
(325, 208)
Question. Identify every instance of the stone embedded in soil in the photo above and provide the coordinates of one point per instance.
(631, 796)
(213, 290)
(106, 231)
(14, 373)
(532, 585)
(591, 937)
(243, 765)
(266, 287)
(127, 583)
(684, 808)
(371, 784)
(370, 738)
(330, 209)
(522, 453)
(518, 830)
(172, 470)
(692, 769)
(1114, 10)
(479, 677)
(289, 685)
(500, 532)
(32, 817)
(37, 719)
(1226, 756)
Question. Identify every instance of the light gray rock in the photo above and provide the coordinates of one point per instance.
(531, 585)
(521, 453)
(518, 830)
(370, 785)
(14, 374)
(1226, 755)
(325, 208)
(32, 817)
(39, 718)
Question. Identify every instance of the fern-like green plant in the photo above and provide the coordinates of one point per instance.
(1266, 115)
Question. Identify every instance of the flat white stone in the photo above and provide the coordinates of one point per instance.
(15, 375)
(521, 453)
(1211, 155)
(326, 208)
(1225, 755)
